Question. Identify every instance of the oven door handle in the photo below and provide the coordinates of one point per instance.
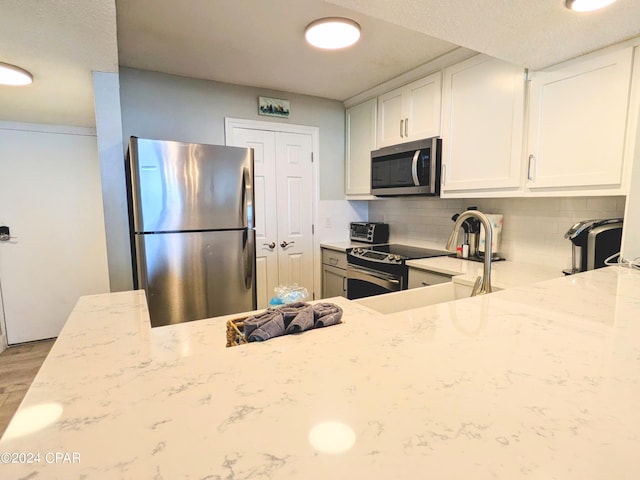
(414, 168)
(354, 273)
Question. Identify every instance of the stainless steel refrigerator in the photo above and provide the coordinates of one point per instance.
(192, 228)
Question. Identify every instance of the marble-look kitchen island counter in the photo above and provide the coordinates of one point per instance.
(539, 382)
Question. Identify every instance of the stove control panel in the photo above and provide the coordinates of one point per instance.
(377, 256)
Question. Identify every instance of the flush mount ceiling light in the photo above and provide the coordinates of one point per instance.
(332, 33)
(587, 5)
(12, 75)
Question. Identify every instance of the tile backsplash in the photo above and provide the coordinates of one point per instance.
(533, 230)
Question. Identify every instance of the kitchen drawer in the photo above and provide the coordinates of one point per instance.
(423, 278)
(334, 258)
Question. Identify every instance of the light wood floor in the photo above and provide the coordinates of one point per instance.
(18, 367)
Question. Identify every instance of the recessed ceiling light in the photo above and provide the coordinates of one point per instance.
(12, 75)
(587, 5)
(332, 33)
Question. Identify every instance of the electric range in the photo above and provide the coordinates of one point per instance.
(378, 269)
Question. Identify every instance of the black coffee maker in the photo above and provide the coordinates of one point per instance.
(593, 241)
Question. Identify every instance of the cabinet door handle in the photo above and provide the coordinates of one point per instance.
(530, 166)
(406, 127)
(284, 243)
(443, 173)
(401, 123)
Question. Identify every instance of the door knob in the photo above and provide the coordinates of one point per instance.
(271, 245)
(284, 244)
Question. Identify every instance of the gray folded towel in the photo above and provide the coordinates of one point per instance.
(291, 310)
(291, 318)
(302, 321)
(272, 328)
(326, 314)
(256, 321)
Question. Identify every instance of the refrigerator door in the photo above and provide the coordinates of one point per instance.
(194, 275)
(183, 187)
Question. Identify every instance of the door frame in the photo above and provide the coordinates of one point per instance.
(43, 128)
(230, 123)
(3, 325)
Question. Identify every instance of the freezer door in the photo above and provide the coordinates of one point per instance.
(194, 275)
(183, 187)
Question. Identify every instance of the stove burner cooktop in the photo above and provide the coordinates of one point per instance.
(396, 253)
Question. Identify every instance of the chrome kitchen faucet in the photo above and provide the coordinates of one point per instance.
(485, 282)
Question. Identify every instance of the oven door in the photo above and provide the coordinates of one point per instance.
(364, 282)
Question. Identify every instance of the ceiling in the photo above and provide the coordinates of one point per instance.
(531, 33)
(260, 43)
(60, 42)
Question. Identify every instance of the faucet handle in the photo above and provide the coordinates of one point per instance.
(476, 286)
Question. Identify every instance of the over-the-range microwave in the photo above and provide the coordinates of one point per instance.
(411, 168)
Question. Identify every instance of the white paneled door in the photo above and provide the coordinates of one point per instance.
(295, 213)
(264, 174)
(283, 186)
(50, 198)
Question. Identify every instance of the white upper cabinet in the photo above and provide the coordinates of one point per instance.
(360, 140)
(483, 103)
(411, 112)
(578, 124)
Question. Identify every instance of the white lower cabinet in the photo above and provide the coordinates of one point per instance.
(423, 278)
(482, 126)
(334, 273)
(578, 124)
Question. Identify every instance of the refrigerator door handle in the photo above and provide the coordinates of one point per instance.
(247, 199)
(249, 258)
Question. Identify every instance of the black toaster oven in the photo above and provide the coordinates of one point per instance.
(369, 232)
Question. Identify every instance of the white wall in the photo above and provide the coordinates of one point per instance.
(169, 107)
(106, 87)
(334, 217)
(533, 229)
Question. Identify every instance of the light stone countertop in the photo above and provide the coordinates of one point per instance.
(504, 274)
(341, 246)
(533, 382)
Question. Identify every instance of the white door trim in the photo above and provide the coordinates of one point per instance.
(3, 325)
(231, 123)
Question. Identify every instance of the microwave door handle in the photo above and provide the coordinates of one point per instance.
(414, 168)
